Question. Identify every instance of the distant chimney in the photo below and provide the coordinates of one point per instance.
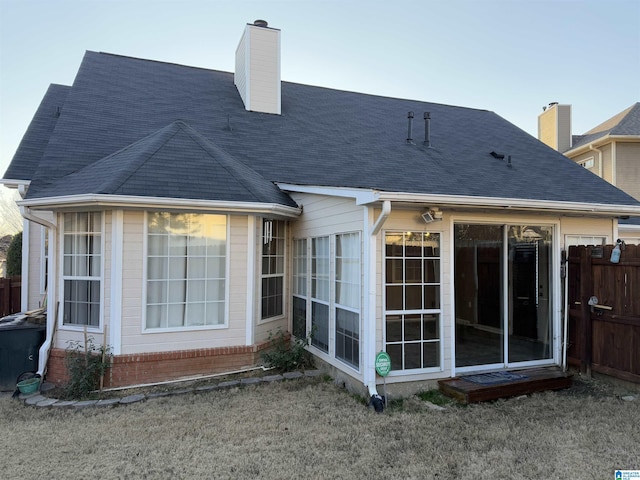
(257, 75)
(554, 126)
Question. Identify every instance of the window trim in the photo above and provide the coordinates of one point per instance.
(145, 244)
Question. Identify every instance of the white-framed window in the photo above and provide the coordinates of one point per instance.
(412, 299)
(320, 292)
(570, 240)
(587, 162)
(299, 321)
(82, 268)
(186, 278)
(273, 254)
(327, 294)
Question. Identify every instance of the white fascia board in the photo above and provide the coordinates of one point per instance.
(14, 183)
(520, 204)
(362, 196)
(123, 201)
(601, 141)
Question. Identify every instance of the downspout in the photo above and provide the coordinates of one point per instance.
(594, 149)
(43, 356)
(370, 274)
(386, 210)
(565, 308)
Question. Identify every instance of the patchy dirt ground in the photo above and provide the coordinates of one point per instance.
(309, 428)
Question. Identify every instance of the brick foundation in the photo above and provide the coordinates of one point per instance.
(141, 368)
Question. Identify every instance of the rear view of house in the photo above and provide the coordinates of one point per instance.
(184, 215)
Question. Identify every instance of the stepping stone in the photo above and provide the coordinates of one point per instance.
(34, 399)
(159, 394)
(207, 388)
(312, 373)
(291, 375)
(272, 378)
(85, 403)
(47, 386)
(182, 391)
(250, 381)
(132, 399)
(230, 383)
(47, 402)
(107, 402)
(64, 404)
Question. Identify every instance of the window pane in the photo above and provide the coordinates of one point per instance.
(431, 354)
(347, 336)
(320, 326)
(394, 328)
(412, 327)
(299, 317)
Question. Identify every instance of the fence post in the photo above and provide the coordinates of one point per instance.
(586, 291)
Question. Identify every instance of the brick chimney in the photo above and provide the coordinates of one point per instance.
(554, 126)
(257, 75)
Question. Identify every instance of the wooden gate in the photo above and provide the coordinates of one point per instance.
(604, 336)
(10, 293)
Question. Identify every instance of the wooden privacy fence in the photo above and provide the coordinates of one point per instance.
(605, 336)
(10, 293)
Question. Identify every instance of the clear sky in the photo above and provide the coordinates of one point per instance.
(511, 57)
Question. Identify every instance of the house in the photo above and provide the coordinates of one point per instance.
(611, 151)
(186, 215)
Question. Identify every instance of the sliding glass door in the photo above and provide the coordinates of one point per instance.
(502, 295)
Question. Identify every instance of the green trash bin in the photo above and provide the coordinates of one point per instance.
(19, 351)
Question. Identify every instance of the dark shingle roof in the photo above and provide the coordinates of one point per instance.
(155, 167)
(34, 142)
(323, 137)
(626, 122)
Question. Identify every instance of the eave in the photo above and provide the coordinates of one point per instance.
(98, 201)
(598, 142)
(369, 196)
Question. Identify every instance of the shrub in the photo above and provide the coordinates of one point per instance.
(14, 256)
(288, 354)
(85, 365)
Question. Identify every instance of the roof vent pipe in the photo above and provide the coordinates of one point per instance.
(410, 128)
(427, 129)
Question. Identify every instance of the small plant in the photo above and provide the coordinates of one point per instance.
(86, 364)
(289, 354)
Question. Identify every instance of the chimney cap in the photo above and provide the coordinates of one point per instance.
(260, 23)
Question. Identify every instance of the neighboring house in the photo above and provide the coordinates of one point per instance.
(611, 150)
(191, 214)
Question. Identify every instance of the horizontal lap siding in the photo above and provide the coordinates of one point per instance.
(628, 168)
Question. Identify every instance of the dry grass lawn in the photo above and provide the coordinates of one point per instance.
(310, 429)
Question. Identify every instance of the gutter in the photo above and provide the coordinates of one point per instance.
(123, 201)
